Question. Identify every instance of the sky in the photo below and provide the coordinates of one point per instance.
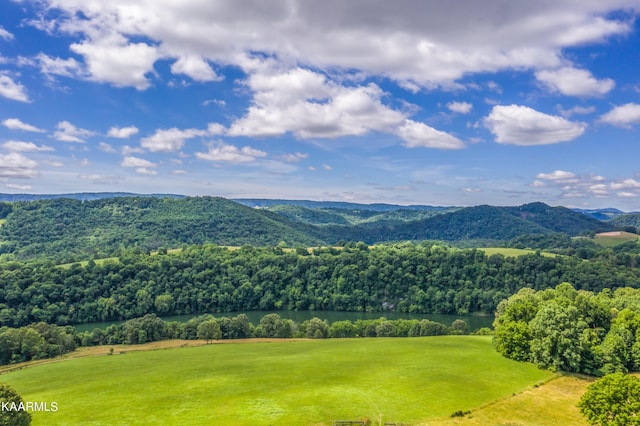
(438, 102)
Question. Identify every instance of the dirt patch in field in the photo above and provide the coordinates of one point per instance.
(123, 349)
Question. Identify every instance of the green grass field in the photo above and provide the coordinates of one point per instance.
(611, 239)
(285, 383)
(512, 252)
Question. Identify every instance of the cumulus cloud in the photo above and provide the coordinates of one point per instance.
(170, 140)
(231, 154)
(416, 134)
(105, 147)
(113, 59)
(67, 132)
(558, 176)
(521, 125)
(51, 66)
(416, 43)
(622, 116)
(572, 185)
(20, 146)
(12, 90)
(460, 107)
(574, 82)
(196, 68)
(626, 184)
(16, 124)
(131, 161)
(16, 165)
(122, 132)
(309, 105)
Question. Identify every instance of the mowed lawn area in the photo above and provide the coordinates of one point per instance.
(311, 382)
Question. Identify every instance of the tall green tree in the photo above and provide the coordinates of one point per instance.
(613, 400)
(209, 330)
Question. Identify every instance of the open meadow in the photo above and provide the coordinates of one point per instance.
(309, 382)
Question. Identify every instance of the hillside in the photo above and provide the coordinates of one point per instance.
(362, 216)
(629, 219)
(67, 229)
(377, 207)
(559, 219)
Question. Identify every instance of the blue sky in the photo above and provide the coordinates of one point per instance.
(432, 102)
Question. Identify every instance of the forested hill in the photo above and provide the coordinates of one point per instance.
(473, 223)
(66, 230)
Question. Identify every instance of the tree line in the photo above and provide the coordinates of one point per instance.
(571, 330)
(417, 278)
(41, 340)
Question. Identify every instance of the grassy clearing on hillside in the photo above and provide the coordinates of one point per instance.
(611, 239)
(292, 383)
(512, 252)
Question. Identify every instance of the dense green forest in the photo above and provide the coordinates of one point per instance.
(425, 278)
(67, 230)
(572, 330)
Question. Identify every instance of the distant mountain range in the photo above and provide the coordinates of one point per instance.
(73, 226)
(80, 196)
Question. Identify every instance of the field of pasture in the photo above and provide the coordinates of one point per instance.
(312, 382)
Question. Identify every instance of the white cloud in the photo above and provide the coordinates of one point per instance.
(307, 104)
(294, 158)
(327, 167)
(57, 66)
(622, 116)
(12, 90)
(122, 132)
(170, 140)
(105, 147)
(67, 132)
(4, 34)
(417, 134)
(626, 194)
(113, 59)
(99, 179)
(15, 165)
(460, 107)
(20, 146)
(231, 154)
(131, 161)
(574, 82)
(419, 43)
(626, 184)
(576, 110)
(196, 68)
(146, 171)
(16, 124)
(128, 150)
(19, 187)
(521, 125)
(558, 176)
